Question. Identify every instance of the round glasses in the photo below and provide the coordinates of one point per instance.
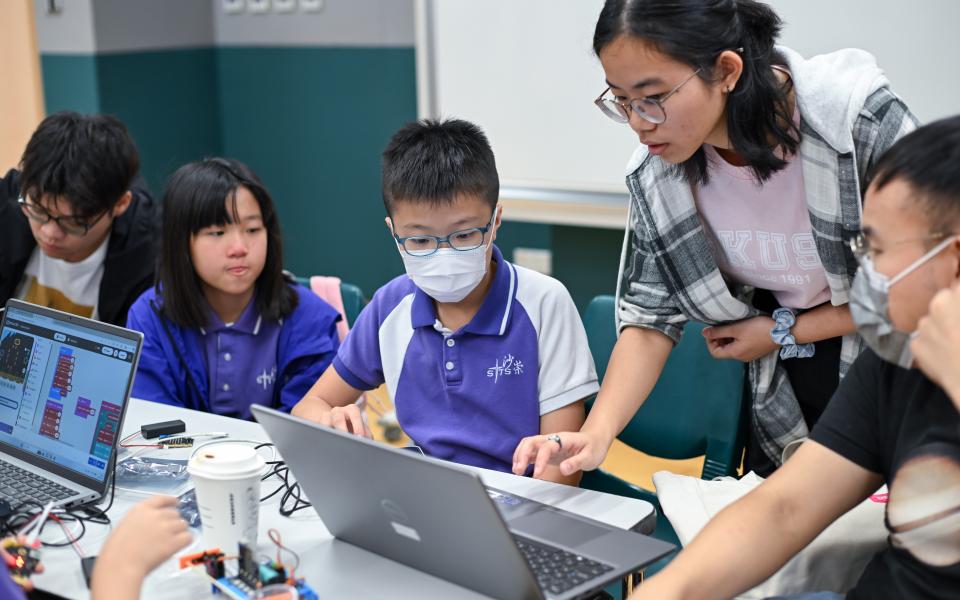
(649, 108)
(69, 224)
(462, 240)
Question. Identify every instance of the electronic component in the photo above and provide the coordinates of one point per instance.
(254, 579)
(152, 430)
(22, 560)
(211, 560)
(248, 571)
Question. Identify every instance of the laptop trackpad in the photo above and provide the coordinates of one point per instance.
(563, 531)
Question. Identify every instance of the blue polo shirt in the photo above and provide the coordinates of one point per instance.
(471, 395)
(241, 361)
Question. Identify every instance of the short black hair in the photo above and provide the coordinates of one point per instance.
(434, 161)
(928, 159)
(88, 160)
(196, 197)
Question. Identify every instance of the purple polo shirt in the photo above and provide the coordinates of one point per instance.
(241, 361)
(469, 396)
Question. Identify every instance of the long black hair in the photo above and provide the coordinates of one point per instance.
(695, 32)
(196, 197)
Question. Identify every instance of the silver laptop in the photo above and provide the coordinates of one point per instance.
(440, 519)
(64, 385)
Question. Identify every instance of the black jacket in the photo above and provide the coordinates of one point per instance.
(131, 253)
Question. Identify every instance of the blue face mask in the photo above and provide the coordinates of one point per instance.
(869, 307)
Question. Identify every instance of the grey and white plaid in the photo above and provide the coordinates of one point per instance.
(668, 274)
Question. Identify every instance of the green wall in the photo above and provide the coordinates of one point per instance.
(168, 99)
(70, 83)
(312, 123)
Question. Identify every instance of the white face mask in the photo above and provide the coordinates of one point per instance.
(447, 275)
(869, 307)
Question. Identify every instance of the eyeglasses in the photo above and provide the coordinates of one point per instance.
(861, 246)
(69, 225)
(649, 108)
(463, 240)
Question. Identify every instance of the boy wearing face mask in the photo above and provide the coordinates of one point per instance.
(888, 421)
(476, 352)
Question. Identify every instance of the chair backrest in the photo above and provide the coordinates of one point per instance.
(351, 296)
(353, 301)
(696, 406)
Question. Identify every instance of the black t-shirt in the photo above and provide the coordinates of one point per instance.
(898, 423)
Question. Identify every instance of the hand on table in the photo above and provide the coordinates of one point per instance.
(580, 451)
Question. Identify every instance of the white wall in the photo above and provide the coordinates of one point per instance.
(916, 43)
(526, 73)
(377, 23)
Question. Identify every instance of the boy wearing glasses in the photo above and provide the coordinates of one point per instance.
(476, 352)
(75, 234)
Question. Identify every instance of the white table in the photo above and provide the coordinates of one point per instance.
(333, 568)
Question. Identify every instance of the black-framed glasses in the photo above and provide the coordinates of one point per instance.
(462, 240)
(861, 246)
(649, 108)
(69, 225)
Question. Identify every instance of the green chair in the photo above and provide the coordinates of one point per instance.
(695, 409)
(352, 296)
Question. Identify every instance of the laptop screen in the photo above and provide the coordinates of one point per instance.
(63, 385)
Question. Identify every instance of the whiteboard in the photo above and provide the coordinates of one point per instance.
(526, 73)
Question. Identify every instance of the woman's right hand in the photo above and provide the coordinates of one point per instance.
(577, 451)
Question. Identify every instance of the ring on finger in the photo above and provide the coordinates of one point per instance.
(556, 438)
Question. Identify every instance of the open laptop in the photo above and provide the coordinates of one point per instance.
(440, 519)
(64, 385)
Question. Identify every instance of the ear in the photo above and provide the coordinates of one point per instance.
(955, 246)
(389, 223)
(728, 69)
(123, 204)
(497, 220)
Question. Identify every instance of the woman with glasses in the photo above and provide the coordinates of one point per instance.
(745, 190)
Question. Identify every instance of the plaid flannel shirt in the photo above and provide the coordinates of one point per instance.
(668, 274)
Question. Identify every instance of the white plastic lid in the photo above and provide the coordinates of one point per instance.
(226, 461)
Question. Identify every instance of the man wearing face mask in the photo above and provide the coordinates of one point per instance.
(476, 353)
(888, 421)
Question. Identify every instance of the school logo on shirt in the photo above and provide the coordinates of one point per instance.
(266, 379)
(509, 366)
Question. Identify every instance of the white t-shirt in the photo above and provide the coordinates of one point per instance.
(72, 287)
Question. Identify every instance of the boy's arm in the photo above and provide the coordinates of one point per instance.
(331, 402)
(750, 539)
(567, 418)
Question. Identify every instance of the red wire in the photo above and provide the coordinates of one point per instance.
(66, 531)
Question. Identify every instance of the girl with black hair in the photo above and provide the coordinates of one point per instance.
(746, 188)
(223, 327)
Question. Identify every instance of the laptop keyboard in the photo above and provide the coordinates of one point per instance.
(19, 485)
(557, 570)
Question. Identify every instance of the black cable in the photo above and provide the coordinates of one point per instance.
(291, 490)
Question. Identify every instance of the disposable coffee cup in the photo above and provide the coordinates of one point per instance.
(227, 480)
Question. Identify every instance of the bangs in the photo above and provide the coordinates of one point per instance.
(213, 204)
